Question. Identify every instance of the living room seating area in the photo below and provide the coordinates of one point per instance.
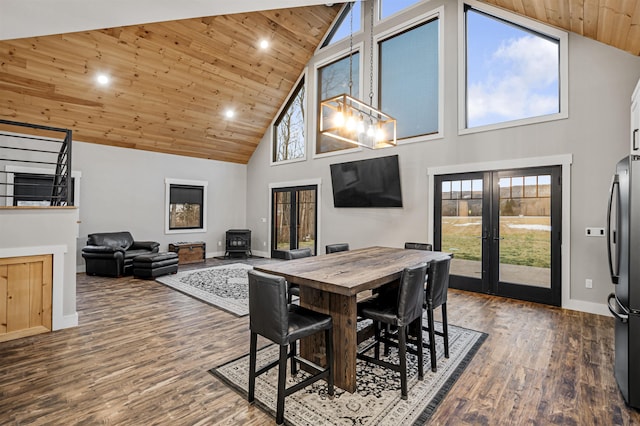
(111, 254)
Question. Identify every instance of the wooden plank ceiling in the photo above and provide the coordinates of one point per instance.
(172, 81)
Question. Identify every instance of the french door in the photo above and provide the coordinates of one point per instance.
(504, 229)
(293, 219)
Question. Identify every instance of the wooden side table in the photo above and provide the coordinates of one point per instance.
(189, 252)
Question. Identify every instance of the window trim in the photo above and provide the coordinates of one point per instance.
(563, 72)
(167, 197)
(338, 56)
(434, 14)
(305, 103)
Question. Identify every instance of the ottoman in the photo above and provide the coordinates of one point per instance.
(155, 264)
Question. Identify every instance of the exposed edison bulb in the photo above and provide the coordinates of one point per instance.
(351, 123)
(371, 130)
(360, 126)
(380, 135)
(338, 119)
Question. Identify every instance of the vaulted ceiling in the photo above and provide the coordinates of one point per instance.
(172, 81)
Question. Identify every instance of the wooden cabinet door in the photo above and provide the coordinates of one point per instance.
(25, 296)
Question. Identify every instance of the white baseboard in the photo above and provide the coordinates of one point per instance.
(589, 307)
(68, 321)
(261, 253)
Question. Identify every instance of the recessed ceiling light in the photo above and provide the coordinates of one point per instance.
(103, 79)
(229, 113)
(264, 44)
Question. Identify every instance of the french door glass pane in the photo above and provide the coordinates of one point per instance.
(525, 230)
(462, 226)
(307, 219)
(282, 203)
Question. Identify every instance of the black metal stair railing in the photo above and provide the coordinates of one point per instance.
(33, 170)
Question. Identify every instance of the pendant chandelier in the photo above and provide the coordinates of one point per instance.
(348, 119)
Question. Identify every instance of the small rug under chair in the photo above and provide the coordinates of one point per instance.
(225, 286)
(377, 398)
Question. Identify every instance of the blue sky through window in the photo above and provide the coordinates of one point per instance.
(389, 7)
(344, 29)
(512, 73)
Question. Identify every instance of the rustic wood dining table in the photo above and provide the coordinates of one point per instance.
(331, 283)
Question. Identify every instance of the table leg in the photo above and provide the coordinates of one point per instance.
(343, 310)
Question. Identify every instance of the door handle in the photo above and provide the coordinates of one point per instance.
(618, 310)
(615, 183)
(635, 139)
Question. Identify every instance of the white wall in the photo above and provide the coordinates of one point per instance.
(601, 80)
(124, 190)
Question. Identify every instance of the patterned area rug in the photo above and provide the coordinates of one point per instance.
(377, 398)
(225, 286)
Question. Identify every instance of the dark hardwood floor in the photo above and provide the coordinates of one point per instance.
(142, 351)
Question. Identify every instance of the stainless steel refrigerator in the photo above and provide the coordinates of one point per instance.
(623, 235)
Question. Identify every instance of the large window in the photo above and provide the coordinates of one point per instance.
(514, 71)
(186, 206)
(288, 132)
(333, 80)
(409, 79)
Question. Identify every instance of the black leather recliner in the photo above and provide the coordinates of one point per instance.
(111, 254)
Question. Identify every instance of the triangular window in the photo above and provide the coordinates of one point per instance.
(342, 27)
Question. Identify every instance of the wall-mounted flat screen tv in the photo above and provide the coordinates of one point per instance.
(367, 183)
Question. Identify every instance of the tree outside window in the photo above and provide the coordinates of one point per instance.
(289, 135)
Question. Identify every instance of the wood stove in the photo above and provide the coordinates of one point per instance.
(238, 241)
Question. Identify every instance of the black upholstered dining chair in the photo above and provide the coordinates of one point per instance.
(402, 312)
(284, 324)
(436, 296)
(334, 248)
(294, 289)
(419, 246)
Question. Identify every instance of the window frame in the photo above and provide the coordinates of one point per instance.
(358, 48)
(182, 182)
(301, 83)
(433, 14)
(526, 23)
(12, 170)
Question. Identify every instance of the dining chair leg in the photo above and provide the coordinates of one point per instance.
(445, 330)
(292, 354)
(282, 377)
(376, 350)
(328, 336)
(402, 354)
(252, 366)
(432, 339)
(419, 348)
(387, 333)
